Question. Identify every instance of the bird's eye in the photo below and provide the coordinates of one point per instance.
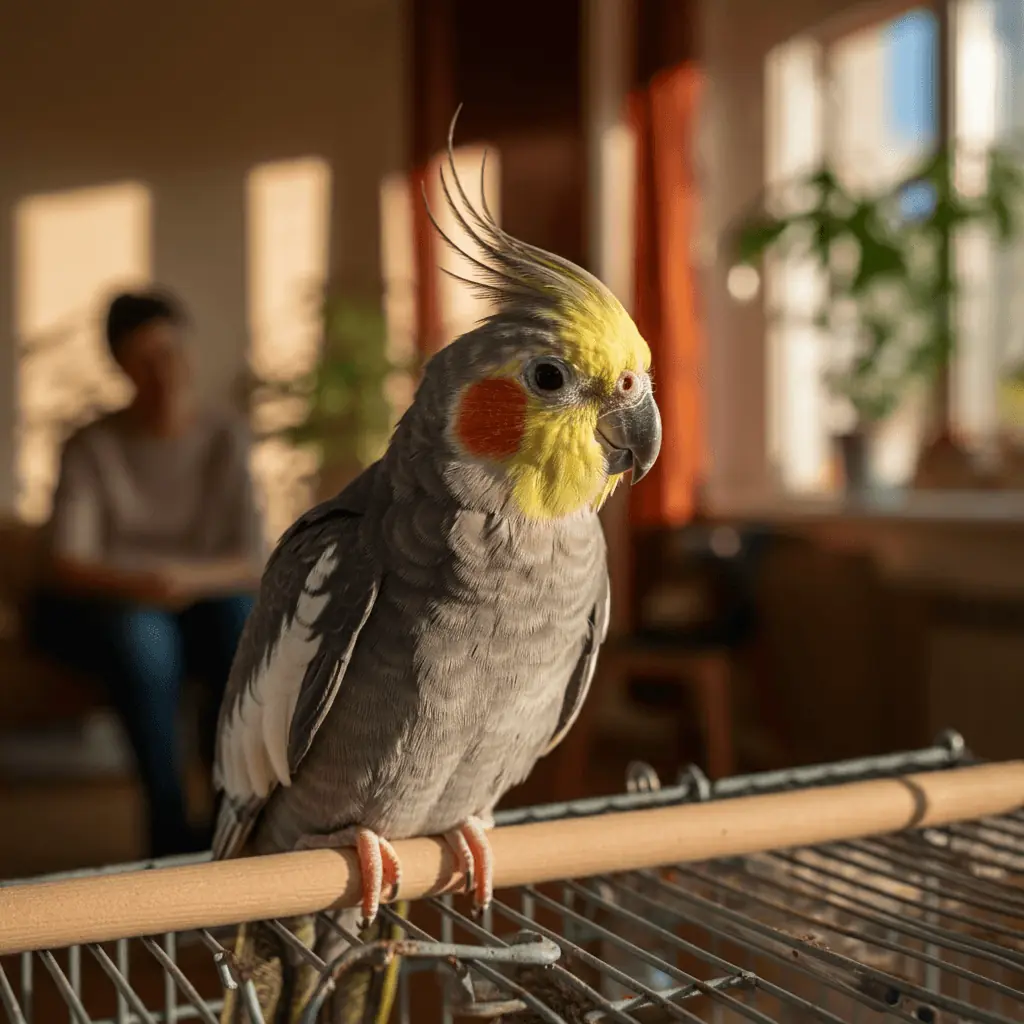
(548, 377)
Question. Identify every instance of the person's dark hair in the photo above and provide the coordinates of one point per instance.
(131, 310)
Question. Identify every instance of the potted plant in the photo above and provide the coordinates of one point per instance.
(889, 290)
(342, 410)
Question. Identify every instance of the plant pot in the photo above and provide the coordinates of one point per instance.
(854, 450)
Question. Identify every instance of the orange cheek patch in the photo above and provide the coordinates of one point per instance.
(492, 418)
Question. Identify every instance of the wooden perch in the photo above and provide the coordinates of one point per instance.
(47, 915)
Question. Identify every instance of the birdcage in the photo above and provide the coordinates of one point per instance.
(886, 889)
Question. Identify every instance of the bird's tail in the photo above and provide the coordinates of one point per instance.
(272, 974)
(366, 994)
(283, 984)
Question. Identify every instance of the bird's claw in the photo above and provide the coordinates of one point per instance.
(473, 853)
(378, 864)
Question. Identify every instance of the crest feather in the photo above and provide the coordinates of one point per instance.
(520, 278)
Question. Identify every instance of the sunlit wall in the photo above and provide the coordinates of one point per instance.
(287, 218)
(72, 249)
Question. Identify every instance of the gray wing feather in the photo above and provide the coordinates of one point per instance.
(583, 675)
(316, 594)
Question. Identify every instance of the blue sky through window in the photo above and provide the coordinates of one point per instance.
(911, 103)
(911, 58)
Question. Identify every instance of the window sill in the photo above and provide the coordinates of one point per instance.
(947, 508)
(967, 543)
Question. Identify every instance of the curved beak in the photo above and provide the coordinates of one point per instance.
(632, 437)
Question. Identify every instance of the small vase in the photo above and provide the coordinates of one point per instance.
(854, 457)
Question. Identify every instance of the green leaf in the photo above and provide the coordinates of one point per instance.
(825, 180)
(899, 263)
(346, 411)
(826, 232)
(878, 260)
(1002, 217)
(756, 238)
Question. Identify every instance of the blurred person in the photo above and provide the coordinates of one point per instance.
(156, 548)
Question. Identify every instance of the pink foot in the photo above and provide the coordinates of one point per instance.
(378, 863)
(473, 850)
(380, 867)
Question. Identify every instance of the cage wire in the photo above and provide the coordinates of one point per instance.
(924, 925)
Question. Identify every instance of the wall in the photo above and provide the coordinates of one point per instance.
(187, 98)
(522, 95)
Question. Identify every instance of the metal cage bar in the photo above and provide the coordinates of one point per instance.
(923, 925)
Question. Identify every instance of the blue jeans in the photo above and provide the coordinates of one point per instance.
(142, 654)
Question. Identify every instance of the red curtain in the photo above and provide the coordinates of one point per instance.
(664, 115)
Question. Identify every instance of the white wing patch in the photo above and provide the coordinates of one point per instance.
(254, 751)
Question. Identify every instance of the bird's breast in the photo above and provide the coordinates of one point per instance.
(458, 677)
(480, 654)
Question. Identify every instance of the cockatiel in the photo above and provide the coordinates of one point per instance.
(422, 638)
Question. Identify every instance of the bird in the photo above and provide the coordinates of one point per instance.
(421, 639)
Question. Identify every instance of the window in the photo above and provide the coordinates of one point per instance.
(866, 102)
(72, 249)
(988, 68)
(797, 440)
